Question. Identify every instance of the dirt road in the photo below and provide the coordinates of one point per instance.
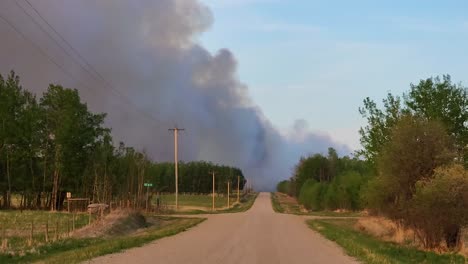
(257, 236)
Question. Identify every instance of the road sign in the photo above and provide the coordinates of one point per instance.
(68, 195)
(148, 184)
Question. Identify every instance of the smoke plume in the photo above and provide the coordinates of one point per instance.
(147, 52)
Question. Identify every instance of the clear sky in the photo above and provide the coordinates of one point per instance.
(317, 60)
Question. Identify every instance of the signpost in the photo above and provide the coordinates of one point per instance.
(147, 185)
(68, 200)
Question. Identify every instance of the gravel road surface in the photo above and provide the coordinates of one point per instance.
(257, 236)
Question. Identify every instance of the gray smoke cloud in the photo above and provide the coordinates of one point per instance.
(147, 50)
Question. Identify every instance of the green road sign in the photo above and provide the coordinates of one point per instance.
(148, 185)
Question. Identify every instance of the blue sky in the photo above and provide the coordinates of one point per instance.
(317, 60)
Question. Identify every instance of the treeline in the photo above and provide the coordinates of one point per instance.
(54, 144)
(415, 149)
(327, 182)
(195, 177)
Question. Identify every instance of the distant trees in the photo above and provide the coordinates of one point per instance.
(56, 145)
(327, 182)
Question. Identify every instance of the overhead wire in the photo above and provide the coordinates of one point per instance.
(62, 67)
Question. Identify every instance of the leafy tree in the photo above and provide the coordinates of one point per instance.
(436, 99)
(415, 149)
(379, 124)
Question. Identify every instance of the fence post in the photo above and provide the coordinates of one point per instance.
(73, 222)
(56, 230)
(31, 234)
(47, 231)
(4, 239)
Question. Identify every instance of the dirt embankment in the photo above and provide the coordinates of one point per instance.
(119, 222)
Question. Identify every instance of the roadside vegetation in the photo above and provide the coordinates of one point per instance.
(283, 203)
(412, 169)
(204, 205)
(99, 239)
(369, 249)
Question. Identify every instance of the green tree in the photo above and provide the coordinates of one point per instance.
(72, 132)
(416, 147)
(442, 100)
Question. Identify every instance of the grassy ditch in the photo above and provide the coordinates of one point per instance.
(368, 249)
(75, 250)
(276, 204)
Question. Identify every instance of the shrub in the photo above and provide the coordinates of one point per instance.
(283, 187)
(438, 209)
(312, 194)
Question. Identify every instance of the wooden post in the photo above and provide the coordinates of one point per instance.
(89, 217)
(46, 234)
(73, 222)
(228, 195)
(238, 186)
(56, 230)
(4, 239)
(213, 200)
(147, 197)
(31, 234)
(68, 227)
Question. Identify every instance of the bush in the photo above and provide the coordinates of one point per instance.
(312, 194)
(439, 207)
(283, 187)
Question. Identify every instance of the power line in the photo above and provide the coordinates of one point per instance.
(48, 34)
(64, 40)
(62, 67)
(68, 44)
(8, 22)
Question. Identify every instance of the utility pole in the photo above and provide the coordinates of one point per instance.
(228, 195)
(176, 160)
(238, 186)
(213, 200)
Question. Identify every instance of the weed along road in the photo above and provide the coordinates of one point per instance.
(257, 236)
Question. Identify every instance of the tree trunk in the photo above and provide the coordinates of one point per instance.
(452, 237)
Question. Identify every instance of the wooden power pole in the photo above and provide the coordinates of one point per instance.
(176, 160)
(228, 194)
(238, 186)
(213, 198)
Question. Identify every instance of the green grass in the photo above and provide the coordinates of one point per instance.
(78, 250)
(276, 204)
(371, 250)
(201, 200)
(283, 203)
(17, 227)
(335, 214)
(245, 204)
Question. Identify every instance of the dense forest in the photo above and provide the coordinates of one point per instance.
(54, 144)
(412, 167)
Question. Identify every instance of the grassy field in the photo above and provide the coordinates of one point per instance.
(16, 228)
(75, 250)
(283, 203)
(201, 204)
(201, 200)
(368, 249)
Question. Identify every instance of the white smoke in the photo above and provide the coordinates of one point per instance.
(148, 51)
